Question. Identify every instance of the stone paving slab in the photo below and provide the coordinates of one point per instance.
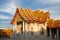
(28, 37)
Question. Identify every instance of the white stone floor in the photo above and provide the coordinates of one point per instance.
(28, 37)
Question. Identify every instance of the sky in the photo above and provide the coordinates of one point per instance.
(8, 8)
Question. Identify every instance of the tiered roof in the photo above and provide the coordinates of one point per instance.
(56, 23)
(30, 16)
(53, 23)
(50, 23)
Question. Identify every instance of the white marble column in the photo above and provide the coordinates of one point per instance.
(23, 26)
(26, 27)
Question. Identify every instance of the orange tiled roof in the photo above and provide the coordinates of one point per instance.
(14, 17)
(31, 16)
(56, 23)
(53, 23)
(50, 23)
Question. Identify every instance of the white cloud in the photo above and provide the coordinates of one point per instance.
(54, 11)
(47, 1)
(54, 1)
(10, 8)
(4, 17)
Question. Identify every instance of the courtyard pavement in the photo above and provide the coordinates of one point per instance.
(27, 36)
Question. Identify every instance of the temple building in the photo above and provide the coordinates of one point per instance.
(53, 23)
(27, 20)
(53, 28)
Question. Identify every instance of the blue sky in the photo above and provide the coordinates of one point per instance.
(7, 8)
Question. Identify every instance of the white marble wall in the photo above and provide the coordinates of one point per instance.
(16, 28)
(27, 27)
(36, 27)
